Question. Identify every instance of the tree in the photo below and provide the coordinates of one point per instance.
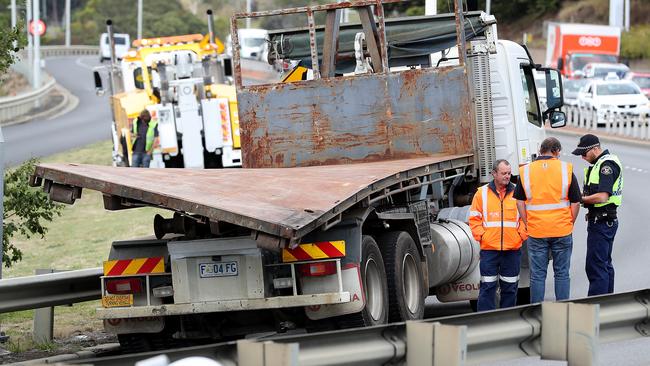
(26, 210)
(11, 40)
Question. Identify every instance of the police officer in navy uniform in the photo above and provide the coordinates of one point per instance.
(602, 195)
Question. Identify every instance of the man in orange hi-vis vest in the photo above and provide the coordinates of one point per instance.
(548, 199)
(496, 225)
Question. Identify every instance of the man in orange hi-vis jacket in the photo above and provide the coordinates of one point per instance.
(548, 198)
(496, 225)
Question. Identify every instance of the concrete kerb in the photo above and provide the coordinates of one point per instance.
(86, 353)
(602, 136)
(67, 104)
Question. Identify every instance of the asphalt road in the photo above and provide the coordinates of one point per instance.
(632, 242)
(89, 122)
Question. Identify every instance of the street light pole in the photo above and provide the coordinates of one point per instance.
(67, 23)
(36, 82)
(139, 19)
(2, 199)
(30, 45)
(249, 8)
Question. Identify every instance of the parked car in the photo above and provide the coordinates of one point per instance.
(603, 96)
(599, 70)
(122, 44)
(571, 90)
(642, 79)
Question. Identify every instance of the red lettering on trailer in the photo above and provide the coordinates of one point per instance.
(355, 297)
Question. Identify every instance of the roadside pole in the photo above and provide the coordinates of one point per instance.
(3, 337)
(139, 19)
(36, 82)
(67, 23)
(13, 14)
(249, 9)
(30, 46)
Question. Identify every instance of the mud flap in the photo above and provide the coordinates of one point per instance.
(150, 324)
(351, 283)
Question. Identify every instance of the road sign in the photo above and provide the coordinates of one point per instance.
(37, 28)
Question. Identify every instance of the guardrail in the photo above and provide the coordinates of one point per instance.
(16, 106)
(51, 289)
(53, 51)
(635, 126)
(570, 331)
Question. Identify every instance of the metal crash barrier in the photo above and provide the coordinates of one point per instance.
(615, 123)
(566, 331)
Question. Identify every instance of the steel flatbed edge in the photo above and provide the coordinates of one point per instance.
(284, 202)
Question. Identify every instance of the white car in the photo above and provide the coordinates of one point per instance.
(600, 70)
(622, 96)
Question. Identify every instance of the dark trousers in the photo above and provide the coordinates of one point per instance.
(504, 267)
(599, 268)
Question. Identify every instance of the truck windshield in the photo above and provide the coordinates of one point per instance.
(579, 60)
(530, 96)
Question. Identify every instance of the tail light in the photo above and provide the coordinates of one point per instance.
(124, 286)
(317, 269)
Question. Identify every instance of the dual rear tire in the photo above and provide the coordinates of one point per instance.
(391, 275)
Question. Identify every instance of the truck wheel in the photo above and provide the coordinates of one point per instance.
(373, 279)
(404, 276)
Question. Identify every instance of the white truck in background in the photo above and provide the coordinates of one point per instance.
(571, 46)
(351, 216)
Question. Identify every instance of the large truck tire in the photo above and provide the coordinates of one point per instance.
(403, 264)
(375, 288)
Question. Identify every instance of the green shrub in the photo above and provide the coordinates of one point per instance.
(634, 44)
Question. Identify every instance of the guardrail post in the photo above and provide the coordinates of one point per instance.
(570, 333)
(251, 353)
(43, 319)
(435, 344)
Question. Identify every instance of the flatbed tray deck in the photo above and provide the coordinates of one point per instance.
(284, 202)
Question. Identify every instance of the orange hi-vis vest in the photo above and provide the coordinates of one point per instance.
(495, 221)
(548, 210)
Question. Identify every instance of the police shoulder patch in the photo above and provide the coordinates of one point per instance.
(606, 170)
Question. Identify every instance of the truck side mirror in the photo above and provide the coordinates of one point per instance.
(99, 89)
(554, 95)
(557, 119)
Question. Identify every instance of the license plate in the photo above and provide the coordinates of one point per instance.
(113, 301)
(218, 269)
